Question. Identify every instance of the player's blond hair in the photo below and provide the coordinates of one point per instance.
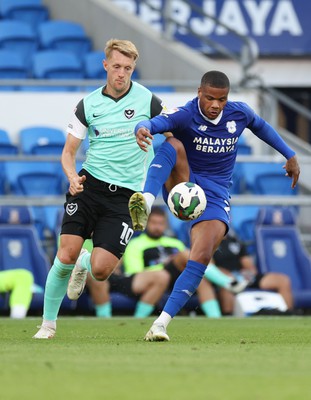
(125, 47)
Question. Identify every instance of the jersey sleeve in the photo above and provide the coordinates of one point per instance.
(156, 106)
(78, 125)
(166, 122)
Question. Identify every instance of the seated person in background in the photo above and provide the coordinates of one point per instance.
(233, 259)
(19, 283)
(152, 262)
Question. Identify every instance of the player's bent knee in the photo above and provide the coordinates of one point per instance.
(67, 258)
(101, 274)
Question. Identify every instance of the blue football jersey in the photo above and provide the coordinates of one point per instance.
(211, 145)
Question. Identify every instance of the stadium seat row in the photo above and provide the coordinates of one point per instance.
(52, 64)
(31, 11)
(249, 177)
(57, 50)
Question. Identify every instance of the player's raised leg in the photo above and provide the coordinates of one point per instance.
(163, 169)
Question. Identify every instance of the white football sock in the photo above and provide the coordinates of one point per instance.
(163, 319)
(149, 200)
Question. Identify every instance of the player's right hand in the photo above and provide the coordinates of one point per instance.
(292, 170)
(76, 184)
(144, 138)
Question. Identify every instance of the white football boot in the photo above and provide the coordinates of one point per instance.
(77, 279)
(157, 333)
(44, 332)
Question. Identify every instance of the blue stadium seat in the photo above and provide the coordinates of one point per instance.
(238, 182)
(41, 140)
(243, 147)
(243, 220)
(93, 65)
(64, 35)
(40, 184)
(251, 170)
(2, 180)
(34, 177)
(6, 146)
(19, 215)
(31, 11)
(47, 221)
(274, 183)
(12, 65)
(18, 36)
(57, 64)
(280, 249)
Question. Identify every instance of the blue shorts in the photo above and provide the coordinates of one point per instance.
(217, 207)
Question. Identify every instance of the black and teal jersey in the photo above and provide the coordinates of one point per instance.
(113, 155)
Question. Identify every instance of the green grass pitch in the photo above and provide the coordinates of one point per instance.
(266, 358)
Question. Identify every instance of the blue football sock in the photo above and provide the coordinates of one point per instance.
(184, 287)
(160, 168)
(55, 289)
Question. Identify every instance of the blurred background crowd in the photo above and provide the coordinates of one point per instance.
(51, 54)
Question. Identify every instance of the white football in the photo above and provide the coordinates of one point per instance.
(187, 201)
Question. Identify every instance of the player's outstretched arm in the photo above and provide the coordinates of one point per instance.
(144, 138)
(292, 170)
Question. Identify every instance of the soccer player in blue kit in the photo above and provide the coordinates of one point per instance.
(203, 150)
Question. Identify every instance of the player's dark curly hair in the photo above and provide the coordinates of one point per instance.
(216, 79)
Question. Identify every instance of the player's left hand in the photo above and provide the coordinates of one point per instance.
(292, 170)
(144, 138)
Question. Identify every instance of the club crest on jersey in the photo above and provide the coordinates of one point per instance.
(202, 128)
(231, 126)
(71, 208)
(129, 113)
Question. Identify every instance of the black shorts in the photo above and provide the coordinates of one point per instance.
(101, 212)
(255, 283)
(174, 273)
(122, 284)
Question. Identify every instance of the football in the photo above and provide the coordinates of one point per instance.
(187, 201)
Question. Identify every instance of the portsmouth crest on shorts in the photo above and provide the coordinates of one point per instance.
(231, 126)
(129, 113)
(71, 208)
